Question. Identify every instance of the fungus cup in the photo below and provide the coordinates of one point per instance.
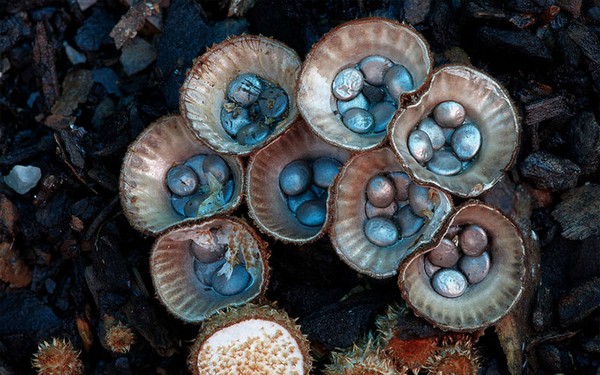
(201, 268)
(487, 105)
(251, 340)
(347, 233)
(346, 46)
(483, 303)
(267, 204)
(203, 93)
(143, 190)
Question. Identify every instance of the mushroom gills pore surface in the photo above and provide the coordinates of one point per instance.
(250, 340)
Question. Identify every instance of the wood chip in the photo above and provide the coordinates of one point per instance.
(129, 25)
(586, 40)
(44, 59)
(546, 109)
(579, 212)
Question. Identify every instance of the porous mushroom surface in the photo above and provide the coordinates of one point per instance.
(346, 46)
(482, 303)
(144, 192)
(251, 340)
(251, 346)
(203, 93)
(488, 106)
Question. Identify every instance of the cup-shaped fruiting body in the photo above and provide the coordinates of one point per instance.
(349, 230)
(145, 196)
(459, 357)
(201, 268)
(484, 302)
(58, 357)
(345, 47)
(268, 205)
(205, 90)
(409, 355)
(365, 357)
(486, 104)
(252, 340)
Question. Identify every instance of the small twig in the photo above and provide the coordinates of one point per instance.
(100, 219)
(71, 166)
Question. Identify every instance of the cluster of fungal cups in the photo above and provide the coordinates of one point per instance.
(253, 109)
(367, 94)
(447, 142)
(200, 185)
(384, 208)
(460, 260)
(180, 173)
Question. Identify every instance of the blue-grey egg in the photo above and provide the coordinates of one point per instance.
(359, 101)
(382, 114)
(178, 203)
(398, 80)
(373, 94)
(206, 252)
(233, 119)
(381, 191)
(294, 201)
(244, 89)
(253, 134)
(402, 182)
(240, 279)
(444, 163)
(347, 83)
(466, 141)
(215, 165)
(374, 68)
(433, 131)
(182, 180)
(324, 171)
(273, 102)
(295, 177)
(192, 206)
(445, 254)
(475, 268)
(312, 213)
(206, 271)
(449, 114)
(196, 162)
(473, 240)
(408, 222)
(420, 146)
(449, 283)
(358, 120)
(381, 231)
(418, 199)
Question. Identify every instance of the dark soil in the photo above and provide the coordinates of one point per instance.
(75, 91)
